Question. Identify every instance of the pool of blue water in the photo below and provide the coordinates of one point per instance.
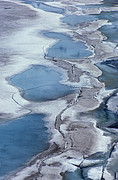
(66, 47)
(41, 5)
(41, 83)
(20, 140)
(74, 20)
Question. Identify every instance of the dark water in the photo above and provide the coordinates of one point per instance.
(74, 20)
(20, 140)
(105, 117)
(110, 2)
(110, 31)
(110, 78)
(109, 73)
(76, 175)
(110, 16)
(41, 83)
(112, 63)
(66, 47)
(41, 5)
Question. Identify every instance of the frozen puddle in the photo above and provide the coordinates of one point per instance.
(66, 47)
(41, 83)
(20, 140)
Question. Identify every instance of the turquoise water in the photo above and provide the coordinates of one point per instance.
(20, 140)
(66, 47)
(41, 5)
(74, 20)
(41, 83)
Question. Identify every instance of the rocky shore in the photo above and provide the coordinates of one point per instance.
(75, 135)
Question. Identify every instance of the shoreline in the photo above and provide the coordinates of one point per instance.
(65, 108)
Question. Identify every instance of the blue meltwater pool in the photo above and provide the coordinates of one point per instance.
(20, 140)
(41, 83)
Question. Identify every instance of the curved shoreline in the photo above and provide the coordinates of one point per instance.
(65, 125)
